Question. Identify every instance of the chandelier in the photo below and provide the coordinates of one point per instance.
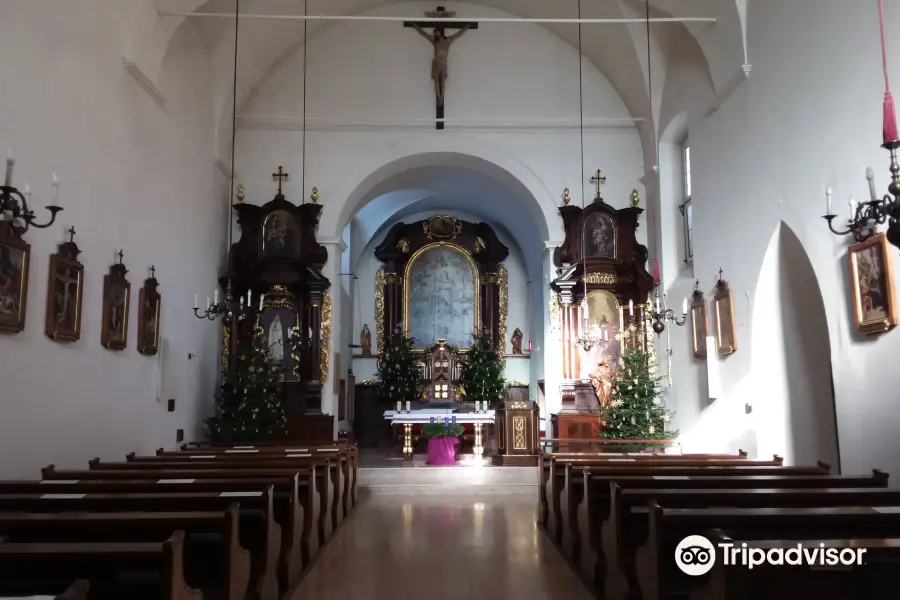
(593, 335)
(14, 205)
(867, 216)
(229, 307)
(659, 314)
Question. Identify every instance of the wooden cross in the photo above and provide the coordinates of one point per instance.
(598, 179)
(71, 233)
(121, 257)
(152, 271)
(280, 176)
(720, 273)
(441, 13)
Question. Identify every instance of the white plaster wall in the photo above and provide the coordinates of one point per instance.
(133, 177)
(517, 369)
(767, 156)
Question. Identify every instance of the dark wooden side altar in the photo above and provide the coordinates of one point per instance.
(278, 257)
(602, 269)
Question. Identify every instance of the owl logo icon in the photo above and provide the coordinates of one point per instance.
(695, 555)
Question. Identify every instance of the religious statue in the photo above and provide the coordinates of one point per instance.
(478, 246)
(276, 340)
(517, 341)
(441, 43)
(601, 380)
(365, 340)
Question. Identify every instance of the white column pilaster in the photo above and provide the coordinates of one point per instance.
(550, 348)
(331, 270)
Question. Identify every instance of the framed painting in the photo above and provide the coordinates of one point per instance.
(699, 324)
(149, 302)
(280, 234)
(600, 236)
(726, 336)
(15, 256)
(602, 311)
(441, 300)
(116, 296)
(872, 283)
(65, 287)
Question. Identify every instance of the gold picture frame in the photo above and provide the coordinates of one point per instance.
(699, 324)
(15, 257)
(872, 285)
(726, 334)
(116, 306)
(149, 304)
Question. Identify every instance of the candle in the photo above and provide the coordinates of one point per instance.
(631, 309)
(216, 296)
(408, 404)
(684, 306)
(828, 194)
(530, 347)
(10, 161)
(242, 302)
(873, 193)
(399, 406)
(54, 198)
(249, 297)
(208, 303)
(261, 302)
(196, 301)
(621, 318)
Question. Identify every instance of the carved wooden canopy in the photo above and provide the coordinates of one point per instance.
(475, 243)
(601, 252)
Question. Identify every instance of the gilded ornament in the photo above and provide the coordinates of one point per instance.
(403, 245)
(240, 193)
(442, 227)
(314, 196)
(226, 347)
(635, 198)
(379, 307)
(519, 434)
(601, 278)
(566, 197)
(326, 334)
(479, 245)
(503, 309)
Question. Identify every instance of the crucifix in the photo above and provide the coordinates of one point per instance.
(280, 176)
(152, 271)
(720, 273)
(121, 257)
(598, 179)
(71, 233)
(441, 43)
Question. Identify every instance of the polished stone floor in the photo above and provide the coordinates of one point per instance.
(442, 548)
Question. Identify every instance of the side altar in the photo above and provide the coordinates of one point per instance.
(602, 286)
(278, 260)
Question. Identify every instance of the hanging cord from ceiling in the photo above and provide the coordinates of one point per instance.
(303, 151)
(237, 10)
(654, 145)
(581, 128)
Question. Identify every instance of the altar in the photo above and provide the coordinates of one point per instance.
(439, 415)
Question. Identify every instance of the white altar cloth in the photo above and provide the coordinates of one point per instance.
(438, 414)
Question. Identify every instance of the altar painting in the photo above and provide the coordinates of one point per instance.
(276, 330)
(602, 310)
(441, 296)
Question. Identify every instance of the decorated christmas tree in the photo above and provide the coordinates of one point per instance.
(636, 410)
(481, 373)
(400, 379)
(249, 406)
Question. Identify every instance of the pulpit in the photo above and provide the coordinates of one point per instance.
(517, 434)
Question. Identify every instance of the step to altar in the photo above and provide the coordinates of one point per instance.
(471, 476)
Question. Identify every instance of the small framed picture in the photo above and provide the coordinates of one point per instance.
(699, 325)
(150, 301)
(726, 336)
(15, 256)
(65, 288)
(872, 284)
(116, 299)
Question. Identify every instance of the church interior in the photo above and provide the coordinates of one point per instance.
(497, 298)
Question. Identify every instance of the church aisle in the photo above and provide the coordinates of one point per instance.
(442, 548)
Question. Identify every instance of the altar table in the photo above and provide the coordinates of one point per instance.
(439, 415)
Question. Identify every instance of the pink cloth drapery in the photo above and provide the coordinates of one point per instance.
(442, 451)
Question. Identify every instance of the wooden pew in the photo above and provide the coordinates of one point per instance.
(48, 564)
(876, 580)
(298, 502)
(595, 507)
(331, 469)
(232, 577)
(343, 457)
(259, 532)
(655, 565)
(626, 527)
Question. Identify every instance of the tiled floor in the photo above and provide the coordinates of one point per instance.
(442, 548)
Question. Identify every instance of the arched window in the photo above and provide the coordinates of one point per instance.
(686, 209)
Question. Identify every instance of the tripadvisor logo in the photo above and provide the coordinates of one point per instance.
(695, 555)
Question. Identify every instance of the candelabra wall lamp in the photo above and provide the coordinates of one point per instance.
(14, 204)
(659, 314)
(229, 308)
(865, 217)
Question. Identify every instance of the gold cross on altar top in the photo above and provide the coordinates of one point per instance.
(280, 176)
(598, 179)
